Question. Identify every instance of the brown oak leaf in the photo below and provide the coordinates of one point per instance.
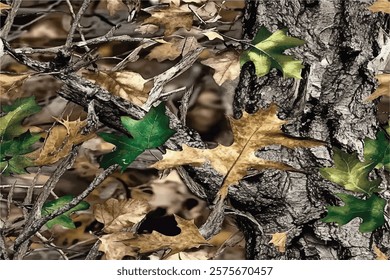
(383, 89)
(226, 66)
(380, 6)
(279, 241)
(251, 133)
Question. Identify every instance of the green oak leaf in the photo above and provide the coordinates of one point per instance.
(349, 172)
(12, 153)
(151, 131)
(370, 210)
(11, 123)
(64, 219)
(268, 53)
(378, 150)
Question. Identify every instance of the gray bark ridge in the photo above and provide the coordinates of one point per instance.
(343, 48)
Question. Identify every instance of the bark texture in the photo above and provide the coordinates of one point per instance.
(345, 47)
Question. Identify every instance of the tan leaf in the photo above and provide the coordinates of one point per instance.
(380, 6)
(379, 254)
(4, 7)
(120, 214)
(126, 84)
(114, 248)
(60, 141)
(383, 89)
(147, 29)
(279, 241)
(171, 18)
(188, 238)
(113, 6)
(226, 66)
(168, 50)
(9, 82)
(251, 133)
(174, 2)
(212, 35)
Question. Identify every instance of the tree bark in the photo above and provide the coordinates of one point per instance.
(345, 48)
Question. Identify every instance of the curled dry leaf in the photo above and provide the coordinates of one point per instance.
(9, 82)
(120, 214)
(379, 254)
(60, 141)
(380, 6)
(126, 84)
(251, 133)
(279, 241)
(383, 89)
(172, 19)
(226, 66)
(188, 238)
(212, 35)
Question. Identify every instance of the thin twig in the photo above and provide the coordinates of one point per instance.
(183, 109)
(3, 247)
(10, 18)
(94, 252)
(38, 223)
(75, 24)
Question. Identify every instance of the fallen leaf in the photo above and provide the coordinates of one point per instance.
(188, 238)
(126, 84)
(212, 35)
(171, 18)
(120, 214)
(174, 2)
(113, 6)
(60, 141)
(113, 247)
(168, 50)
(380, 6)
(251, 133)
(383, 89)
(379, 254)
(147, 29)
(9, 82)
(370, 210)
(226, 66)
(279, 241)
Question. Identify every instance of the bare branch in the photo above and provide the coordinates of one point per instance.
(75, 23)
(10, 18)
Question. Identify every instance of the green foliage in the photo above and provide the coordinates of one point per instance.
(268, 53)
(15, 141)
(150, 132)
(370, 210)
(64, 219)
(378, 150)
(12, 153)
(11, 123)
(349, 172)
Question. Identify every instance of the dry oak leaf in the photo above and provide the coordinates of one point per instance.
(120, 214)
(279, 241)
(9, 82)
(383, 89)
(380, 6)
(172, 19)
(251, 133)
(173, 49)
(226, 66)
(379, 254)
(212, 35)
(188, 238)
(114, 248)
(126, 84)
(60, 141)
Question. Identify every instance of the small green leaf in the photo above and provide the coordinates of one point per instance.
(12, 154)
(370, 210)
(11, 123)
(351, 173)
(64, 219)
(150, 132)
(268, 53)
(378, 150)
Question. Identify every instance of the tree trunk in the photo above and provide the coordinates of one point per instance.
(344, 49)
